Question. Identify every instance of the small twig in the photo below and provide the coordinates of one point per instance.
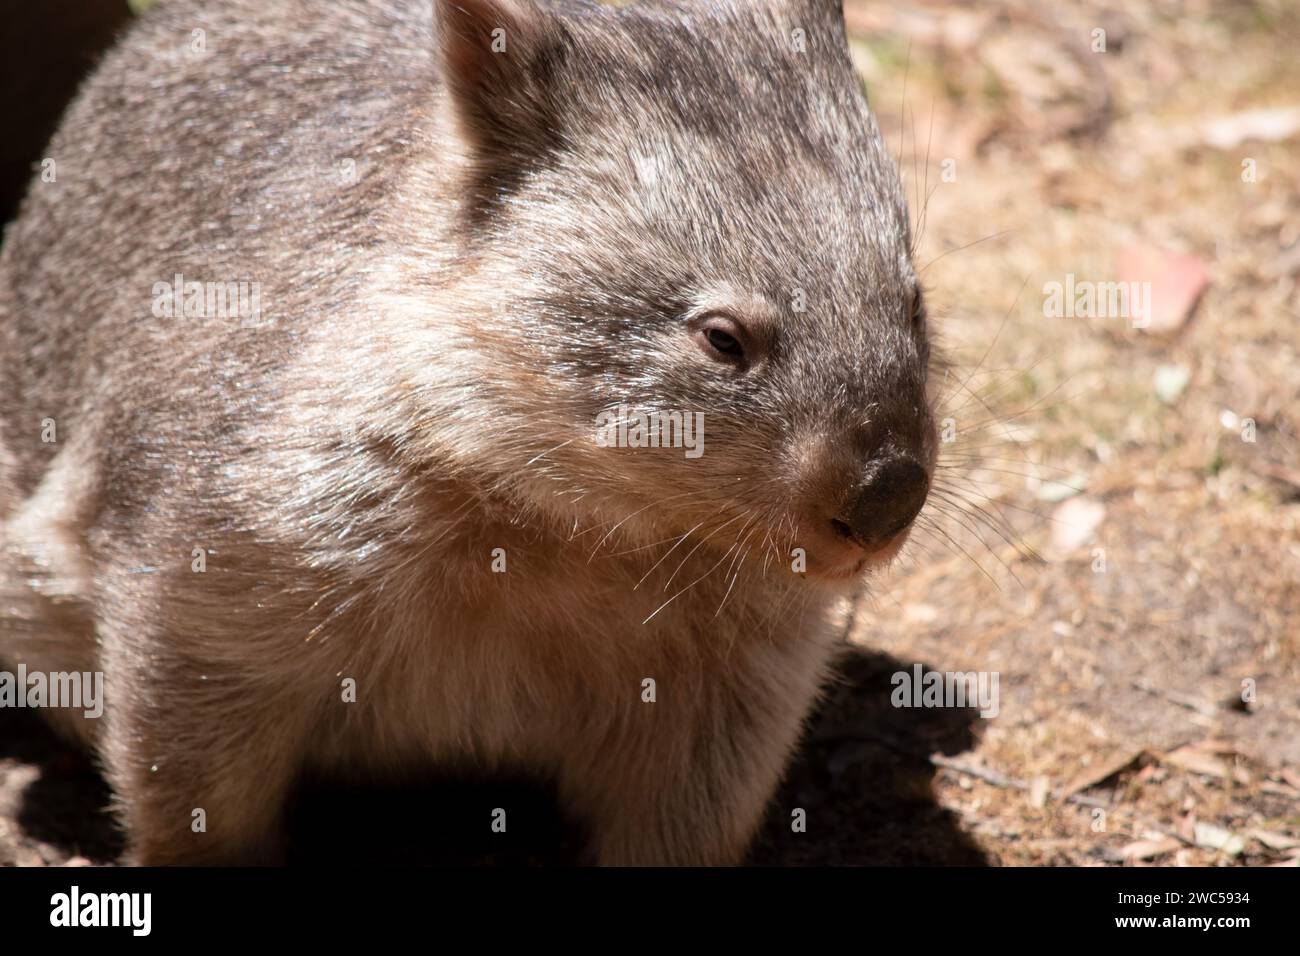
(1182, 700)
(947, 763)
(980, 773)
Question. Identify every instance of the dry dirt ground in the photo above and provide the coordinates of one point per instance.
(1116, 530)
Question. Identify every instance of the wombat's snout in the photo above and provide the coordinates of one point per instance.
(887, 500)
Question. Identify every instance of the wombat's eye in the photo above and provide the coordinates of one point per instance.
(722, 339)
(724, 342)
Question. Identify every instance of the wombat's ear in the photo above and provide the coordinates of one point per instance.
(832, 8)
(830, 12)
(498, 57)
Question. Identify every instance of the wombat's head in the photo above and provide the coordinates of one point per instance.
(685, 223)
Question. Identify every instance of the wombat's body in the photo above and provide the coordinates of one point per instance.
(379, 466)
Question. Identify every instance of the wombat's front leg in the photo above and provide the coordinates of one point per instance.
(686, 780)
(202, 772)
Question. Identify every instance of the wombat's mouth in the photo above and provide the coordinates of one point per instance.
(843, 560)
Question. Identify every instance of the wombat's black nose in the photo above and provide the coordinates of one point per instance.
(889, 498)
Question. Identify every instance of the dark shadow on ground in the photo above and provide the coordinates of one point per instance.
(864, 781)
(65, 806)
(860, 775)
(432, 821)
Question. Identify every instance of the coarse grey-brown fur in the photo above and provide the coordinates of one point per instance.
(463, 257)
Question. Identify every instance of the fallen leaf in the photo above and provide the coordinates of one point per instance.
(1073, 523)
(1175, 283)
(1092, 776)
(920, 613)
(1210, 745)
(1171, 381)
(1197, 761)
(1265, 125)
(1281, 789)
(1054, 491)
(1275, 841)
(1039, 787)
(1147, 849)
(1210, 837)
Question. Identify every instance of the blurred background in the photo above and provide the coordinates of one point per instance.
(1116, 528)
(1131, 495)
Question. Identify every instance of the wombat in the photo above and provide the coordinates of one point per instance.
(502, 384)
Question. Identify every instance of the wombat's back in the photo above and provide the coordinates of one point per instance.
(224, 138)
